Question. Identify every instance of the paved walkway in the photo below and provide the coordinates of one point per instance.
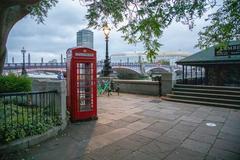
(133, 127)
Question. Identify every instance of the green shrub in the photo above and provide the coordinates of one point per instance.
(13, 83)
(23, 122)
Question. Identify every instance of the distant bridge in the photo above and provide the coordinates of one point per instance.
(132, 68)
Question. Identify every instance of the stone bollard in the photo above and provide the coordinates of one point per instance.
(166, 83)
(60, 98)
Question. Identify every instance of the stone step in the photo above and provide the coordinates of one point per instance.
(202, 103)
(208, 87)
(212, 95)
(205, 99)
(205, 90)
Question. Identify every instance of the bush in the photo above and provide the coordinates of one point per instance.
(13, 83)
(17, 122)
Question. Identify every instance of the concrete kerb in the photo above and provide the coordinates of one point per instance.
(30, 141)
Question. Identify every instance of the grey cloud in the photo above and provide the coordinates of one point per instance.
(58, 34)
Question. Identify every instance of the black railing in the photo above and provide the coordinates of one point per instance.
(34, 65)
(26, 113)
(192, 81)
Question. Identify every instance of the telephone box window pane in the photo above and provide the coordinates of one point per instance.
(85, 79)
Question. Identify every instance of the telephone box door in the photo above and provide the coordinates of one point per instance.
(82, 97)
(85, 106)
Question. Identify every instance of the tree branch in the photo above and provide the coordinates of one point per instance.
(8, 17)
(9, 3)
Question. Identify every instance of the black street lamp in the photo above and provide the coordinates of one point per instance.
(24, 72)
(107, 69)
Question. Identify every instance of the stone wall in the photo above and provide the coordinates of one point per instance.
(60, 86)
(147, 87)
(139, 87)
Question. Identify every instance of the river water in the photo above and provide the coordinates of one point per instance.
(43, 75)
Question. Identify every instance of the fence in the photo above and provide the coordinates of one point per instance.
(192, 81)
(26, 113)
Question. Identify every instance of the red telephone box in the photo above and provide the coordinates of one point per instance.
(81, 83)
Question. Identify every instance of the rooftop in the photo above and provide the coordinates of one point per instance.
(208, 56)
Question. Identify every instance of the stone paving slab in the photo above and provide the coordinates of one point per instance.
(148, 134)
(131, 127)
(136, 126)
(203, 138)
(196, 146)
(216, 154)
(185, 154)
(176, 134)
(159, 149)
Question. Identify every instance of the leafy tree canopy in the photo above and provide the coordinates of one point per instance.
(138, 20)
(224, 26)
(145, 20)
(37, 8)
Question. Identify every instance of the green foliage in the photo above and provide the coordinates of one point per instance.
(40, 9)
(164, 62)
(224, 26)
(21, 121)
(145, 20)
(13, 83)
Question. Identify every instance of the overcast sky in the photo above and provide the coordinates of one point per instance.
(58, 34)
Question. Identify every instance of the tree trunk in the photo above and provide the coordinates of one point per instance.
(9, 16)
(3, 53)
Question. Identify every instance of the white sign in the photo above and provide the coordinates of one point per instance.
(84, 54)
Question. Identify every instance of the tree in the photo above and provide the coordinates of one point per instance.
(224, 26)
(164, 62)
(11, 11)
(138, 20)
(145, 20)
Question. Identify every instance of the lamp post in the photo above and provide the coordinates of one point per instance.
(24, 72)
(107, 69)
(29, 59)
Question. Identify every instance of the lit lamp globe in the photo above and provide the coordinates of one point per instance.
(106, 30)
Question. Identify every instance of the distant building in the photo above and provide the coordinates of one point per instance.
(85, 38)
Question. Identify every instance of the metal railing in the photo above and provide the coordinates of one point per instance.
(192, 81)
(34, 65)
(24, 111)
(63, 65)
